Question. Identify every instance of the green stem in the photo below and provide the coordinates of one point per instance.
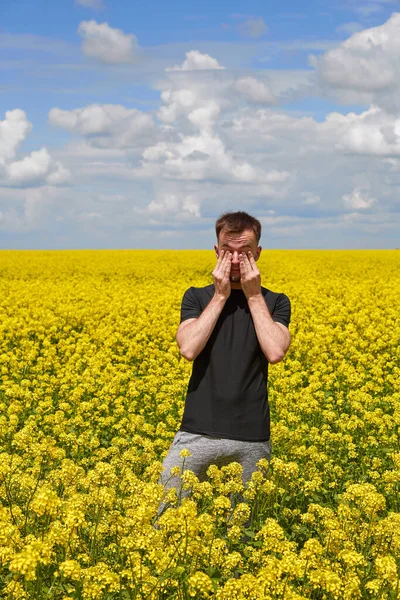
(92, 545)
(31, 497)
(160, 579)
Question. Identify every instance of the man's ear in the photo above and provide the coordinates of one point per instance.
(216, 250)
(258, 252)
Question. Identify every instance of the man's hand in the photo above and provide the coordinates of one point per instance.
(250, 278)
(221, 275)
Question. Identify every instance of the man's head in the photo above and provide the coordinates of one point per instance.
(237, 232)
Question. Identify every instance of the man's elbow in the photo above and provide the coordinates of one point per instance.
(275, 358)
(186, 354)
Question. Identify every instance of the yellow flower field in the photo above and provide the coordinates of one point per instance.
(92, 390)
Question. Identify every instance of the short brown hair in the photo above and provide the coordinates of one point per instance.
(236, 222)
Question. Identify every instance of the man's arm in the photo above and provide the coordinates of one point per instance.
(191, 338)
(193, 334)
(274, 338)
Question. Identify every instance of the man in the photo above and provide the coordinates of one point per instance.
(231, 330)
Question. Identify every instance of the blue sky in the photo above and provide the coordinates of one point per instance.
(135, 125)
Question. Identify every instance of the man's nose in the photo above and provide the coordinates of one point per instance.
(235, 258)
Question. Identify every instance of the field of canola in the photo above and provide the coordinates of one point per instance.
(92, 390)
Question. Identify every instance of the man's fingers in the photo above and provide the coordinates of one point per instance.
(220, 257)
(244, 265)
(226, 264)
(223, 259)
(252, 261)
(247, 262)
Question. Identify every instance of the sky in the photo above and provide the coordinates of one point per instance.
(136, 125)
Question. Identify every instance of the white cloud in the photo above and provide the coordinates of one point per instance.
(176, 103)
(106, 44)
(58, 174)
(200, 154)
(28, 209)
(82, 150)
(34, 169)
(204, 157)
(200, 97)
(212, 147)
(36, 205)
(13, 131)
(204, 117)
(105, 125)
(196, 61)
(365, 67)
(358, 200)
(255, 90)
(253, 27)
(170, 204)
(372, 132)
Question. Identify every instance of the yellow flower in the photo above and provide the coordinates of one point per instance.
(200, 585)
(92, 389)
(387, 569)
(184, 453)
(71, 569)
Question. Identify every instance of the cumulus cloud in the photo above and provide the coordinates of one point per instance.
(200, 97)
(372, 132)
(36, 205)
(203, 157)
(365, 67)
(193, 106)
(105, 125)
(212, 145)
(255, 90)
(358, 200)
(34, 169)
(27, 209)
(172, 204)
(171, 209)
(13, 131)
(196, 61)
(107, 44)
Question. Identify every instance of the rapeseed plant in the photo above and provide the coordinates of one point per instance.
(92, 389)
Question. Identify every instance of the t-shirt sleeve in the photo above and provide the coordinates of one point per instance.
(282, 310)
(190, 308)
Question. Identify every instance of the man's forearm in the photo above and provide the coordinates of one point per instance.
(273, 341)
(194, 337)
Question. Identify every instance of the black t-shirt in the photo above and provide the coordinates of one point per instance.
(227, 394)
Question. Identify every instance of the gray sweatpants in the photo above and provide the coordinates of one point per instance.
(207, 450)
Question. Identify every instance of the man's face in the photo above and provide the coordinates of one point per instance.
(237, 243)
